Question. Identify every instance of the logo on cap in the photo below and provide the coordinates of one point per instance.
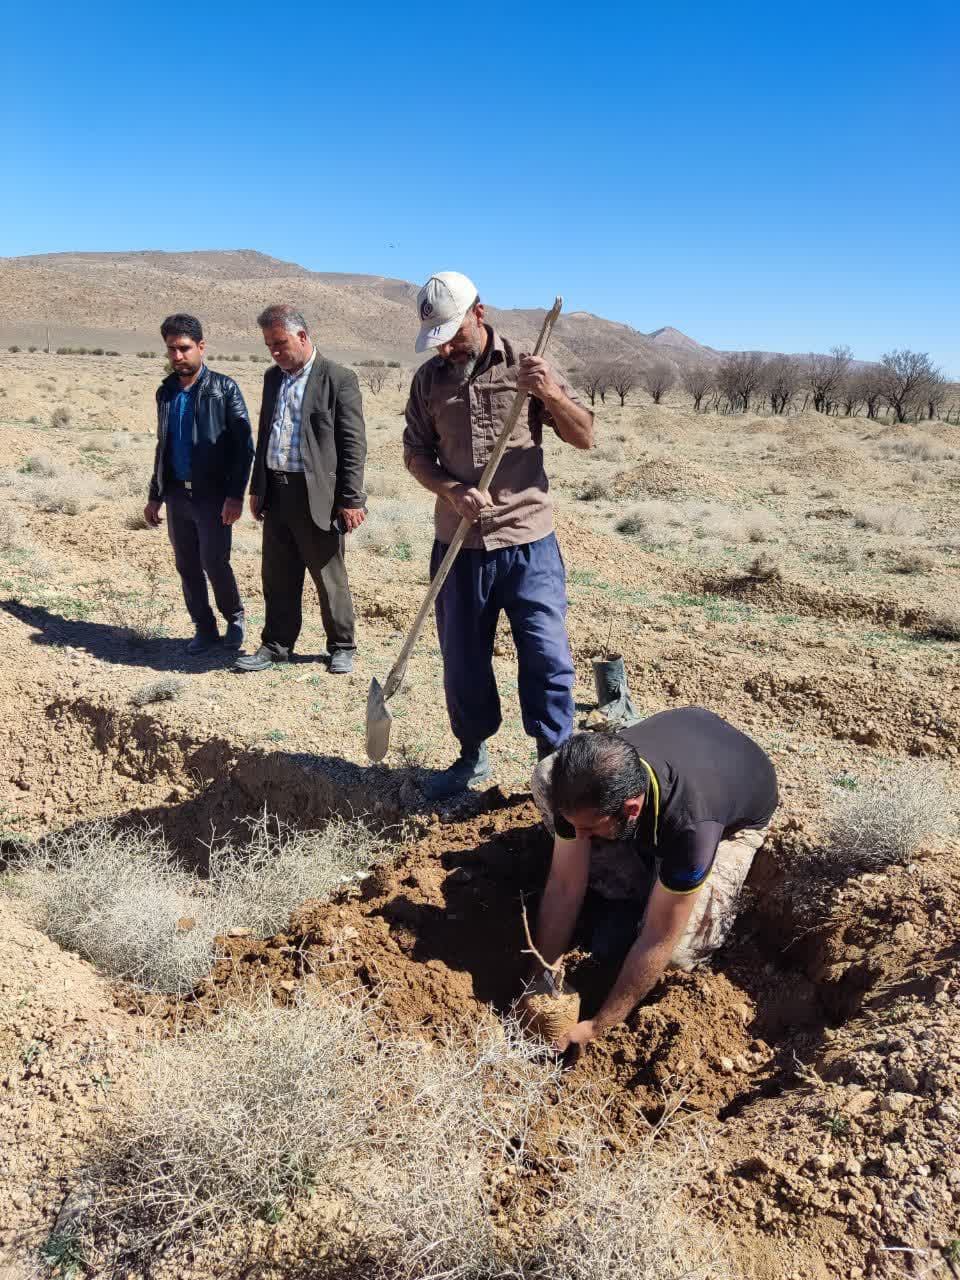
(426, 310)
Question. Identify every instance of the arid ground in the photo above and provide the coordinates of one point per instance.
(799, 575)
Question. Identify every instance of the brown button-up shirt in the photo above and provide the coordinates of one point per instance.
(454, 426)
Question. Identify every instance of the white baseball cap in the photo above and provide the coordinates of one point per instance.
(442, 304)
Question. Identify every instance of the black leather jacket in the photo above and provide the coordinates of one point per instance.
(222, 438)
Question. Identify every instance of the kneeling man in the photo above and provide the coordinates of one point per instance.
(661, 821)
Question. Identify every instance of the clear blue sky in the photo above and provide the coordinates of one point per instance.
(782, 177)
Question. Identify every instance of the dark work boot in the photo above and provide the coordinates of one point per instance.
(203, 640)
(235, 635)
(262, 660)
(341, 662)
(472, 766)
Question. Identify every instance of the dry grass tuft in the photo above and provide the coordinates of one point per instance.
(42, 465)
(888, 519)
(764, 568)
(621, 1217)
(919, 449)
(913, 562)
(412, 1142)
(609, 451)
(69, 494)
(140, 615)
(120, 899)
(884, 822)
(11, 530)
(656, 523)
(398, 528)
(594, 490)
(61, 416)
(117, 898)
(169, 689)
(240, 1121)
(945, 625)
(271, 867)
(134, 518)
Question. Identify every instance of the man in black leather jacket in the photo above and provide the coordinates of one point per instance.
(203, 458)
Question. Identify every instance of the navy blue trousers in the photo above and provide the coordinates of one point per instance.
(528, 582)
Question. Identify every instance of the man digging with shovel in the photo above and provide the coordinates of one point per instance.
(510, 561)
(655, 829)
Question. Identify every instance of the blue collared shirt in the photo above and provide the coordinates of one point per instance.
(283, 447)
(180, 431)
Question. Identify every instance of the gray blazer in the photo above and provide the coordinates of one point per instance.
(333, 439)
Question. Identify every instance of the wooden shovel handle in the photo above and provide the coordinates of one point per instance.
(395, 676)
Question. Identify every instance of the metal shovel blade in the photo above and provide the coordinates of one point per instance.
(379, 721)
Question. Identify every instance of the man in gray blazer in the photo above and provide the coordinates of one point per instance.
(307, 488)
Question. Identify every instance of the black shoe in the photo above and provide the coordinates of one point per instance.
(341, 662)
(473, 766)
(202, 641)
(234, 636)
(262, 660)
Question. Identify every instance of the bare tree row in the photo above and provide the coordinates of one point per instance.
(905, 384)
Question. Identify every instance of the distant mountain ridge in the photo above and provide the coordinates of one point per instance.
(120, 298)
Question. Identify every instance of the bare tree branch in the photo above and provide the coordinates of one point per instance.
(697, 381)
(658, 379)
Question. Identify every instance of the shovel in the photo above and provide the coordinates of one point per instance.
(379, 718)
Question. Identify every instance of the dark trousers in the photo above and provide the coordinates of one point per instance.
(527, 582)
(201, 546)
(292, 545)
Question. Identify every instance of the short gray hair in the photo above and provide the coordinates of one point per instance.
(282, 313)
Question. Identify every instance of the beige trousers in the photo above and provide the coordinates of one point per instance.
(617, 872)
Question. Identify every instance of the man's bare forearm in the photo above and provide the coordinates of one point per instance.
(562, 899)
(559, 909)
(574, 423)
(641, 971)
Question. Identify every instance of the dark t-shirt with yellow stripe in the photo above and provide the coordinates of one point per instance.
(709, 782)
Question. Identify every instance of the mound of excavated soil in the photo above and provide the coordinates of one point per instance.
(671, 478)
(64, 1046)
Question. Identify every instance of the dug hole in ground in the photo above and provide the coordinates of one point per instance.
(789, 1112)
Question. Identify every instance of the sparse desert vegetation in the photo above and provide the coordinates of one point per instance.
(296, 1045)
(887, 820)
(119, 898)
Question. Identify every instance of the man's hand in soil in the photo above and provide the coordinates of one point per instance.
(576, 1039)
(232, 510)
(353, 517)
(468, 501)
(151, 513)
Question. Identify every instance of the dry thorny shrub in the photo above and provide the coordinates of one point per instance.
(167, 689)
(69, 494)
(885, 821)
(141, 615)
(415, 1141)
(888, 519)
(119, 898)
(398, 527)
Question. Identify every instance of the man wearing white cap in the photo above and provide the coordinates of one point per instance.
(510, 561)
